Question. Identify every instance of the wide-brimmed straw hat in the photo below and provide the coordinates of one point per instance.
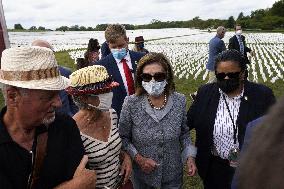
(91, 80)
(31, 68)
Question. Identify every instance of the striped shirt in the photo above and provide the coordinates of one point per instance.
(104, 156)
(223, 135)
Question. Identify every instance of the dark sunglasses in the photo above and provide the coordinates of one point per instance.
(159, 76)
(231, 75)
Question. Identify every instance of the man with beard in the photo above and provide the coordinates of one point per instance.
(39, 149)
(220, 114)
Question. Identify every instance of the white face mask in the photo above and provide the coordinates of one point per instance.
(105, 101)
(154, 88)
(239, 32)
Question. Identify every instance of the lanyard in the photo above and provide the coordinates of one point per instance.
(234, 125)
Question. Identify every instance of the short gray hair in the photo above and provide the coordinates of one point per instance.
(221, 30)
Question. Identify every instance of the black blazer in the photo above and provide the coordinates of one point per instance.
(119, 93)
(201, 116)
(234, 44)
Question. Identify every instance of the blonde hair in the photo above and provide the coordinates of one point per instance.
(114, 31)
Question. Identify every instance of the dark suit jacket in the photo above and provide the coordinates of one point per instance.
(234, 44)
(105, 49)
(68, 106)
(119, 93)
(201, 116)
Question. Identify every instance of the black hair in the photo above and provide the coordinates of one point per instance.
(231, 55)
(93, 45)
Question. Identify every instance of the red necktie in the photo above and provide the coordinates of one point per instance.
(128, 76)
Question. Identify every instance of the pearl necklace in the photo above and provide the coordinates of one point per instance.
(157, 108)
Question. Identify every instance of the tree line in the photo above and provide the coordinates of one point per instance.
(264, 19)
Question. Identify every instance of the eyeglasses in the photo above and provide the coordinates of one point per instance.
(231, 75)
(159, 76)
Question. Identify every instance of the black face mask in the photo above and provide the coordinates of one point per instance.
(228, 85)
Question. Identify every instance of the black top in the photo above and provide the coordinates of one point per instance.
(255, 102)
(64, 153)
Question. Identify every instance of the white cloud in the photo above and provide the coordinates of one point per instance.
(54, 13)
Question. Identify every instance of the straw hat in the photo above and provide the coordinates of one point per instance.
(91, 80)
(31, 68)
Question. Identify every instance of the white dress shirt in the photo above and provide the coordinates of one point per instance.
(121, 70)
(223, 135)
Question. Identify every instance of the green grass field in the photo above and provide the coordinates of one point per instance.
(185, 86)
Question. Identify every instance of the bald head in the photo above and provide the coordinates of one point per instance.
(42, 43)
(221, 30)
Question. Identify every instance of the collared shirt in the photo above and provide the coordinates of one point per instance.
(241, 44)
(223, 135)
(64, 153)
(121, 70)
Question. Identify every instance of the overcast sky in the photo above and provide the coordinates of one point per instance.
(55, 13)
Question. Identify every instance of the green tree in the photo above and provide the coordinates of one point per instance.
(41, 28)
(74, 28)
(62, 28)
(83, 28)
(18, 27)
(278, 8)
(231, 22)
(33, 28)
(101, 27)
(241, 16)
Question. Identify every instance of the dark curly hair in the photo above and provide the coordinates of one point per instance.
(231, 55)
(93, 45)
(154, 58)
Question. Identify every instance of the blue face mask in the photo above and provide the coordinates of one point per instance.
(119, 53)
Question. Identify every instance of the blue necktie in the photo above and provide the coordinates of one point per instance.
(242, 49)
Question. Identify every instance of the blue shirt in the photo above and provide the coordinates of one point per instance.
(216, 46)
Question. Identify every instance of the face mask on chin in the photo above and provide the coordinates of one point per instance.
(228, 85)
(119, 53)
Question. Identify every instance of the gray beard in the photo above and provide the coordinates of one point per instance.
(47, 121)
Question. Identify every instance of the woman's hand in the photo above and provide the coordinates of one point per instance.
(126, 167)
(191, 167)
(146, 164)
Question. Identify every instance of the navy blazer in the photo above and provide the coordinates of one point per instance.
(234, 44)
(119, 93)
(105, 49)
(68, 106)
(202, 113)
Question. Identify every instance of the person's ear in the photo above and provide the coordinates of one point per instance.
(243, 75)
(13, 96)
